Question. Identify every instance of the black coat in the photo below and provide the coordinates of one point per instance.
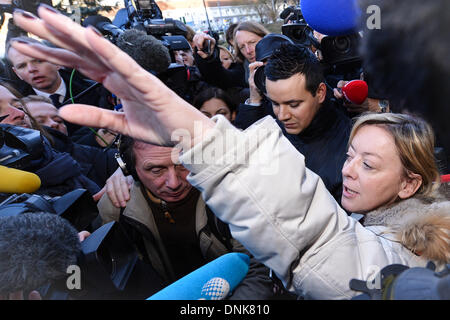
(247, 114)
(97, 96)
(96, 163)
(215, 74)
(58, 171)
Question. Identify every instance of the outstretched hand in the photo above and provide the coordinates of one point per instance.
(152, 112)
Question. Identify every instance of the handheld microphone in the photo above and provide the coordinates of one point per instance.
(214, 281)
(18, 181)
(355, 91)
(332, 17)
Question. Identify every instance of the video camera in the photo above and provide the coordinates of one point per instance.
(147, 17)
(26, 5)
(8, 6)
(340, 53)
(296, 28)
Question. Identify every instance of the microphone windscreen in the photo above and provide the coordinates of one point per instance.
(332, 17)
(355, 91)
(18, 181)
(35, 249)
(146, 50)
(214, 281)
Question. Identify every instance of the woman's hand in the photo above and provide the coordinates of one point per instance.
(152, 112)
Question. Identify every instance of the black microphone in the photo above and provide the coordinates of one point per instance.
(35, 249)
(146, 50)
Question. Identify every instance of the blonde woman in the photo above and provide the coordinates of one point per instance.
(226, 57)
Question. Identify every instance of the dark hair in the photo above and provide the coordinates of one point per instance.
(213, 92)
(291, 59)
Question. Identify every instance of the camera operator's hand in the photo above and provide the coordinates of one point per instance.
(369, 104)
(118, 189)
(338, 91)
(255, 95)
(199, 41)
(152, 112)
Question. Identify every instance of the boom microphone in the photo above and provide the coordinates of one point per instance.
(355, 91)
(332, 17)
(146, 50)
(35, 249)
(214, 281)
(18, 181)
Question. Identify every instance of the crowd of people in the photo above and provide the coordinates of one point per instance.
(315, 189)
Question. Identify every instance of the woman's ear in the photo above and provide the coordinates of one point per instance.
(233, 115)
(410, 184)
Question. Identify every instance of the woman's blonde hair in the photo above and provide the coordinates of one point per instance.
(414, 141)
(233, 58)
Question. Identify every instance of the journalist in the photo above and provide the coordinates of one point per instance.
(246, 36)
(50, 80)
(185, 234)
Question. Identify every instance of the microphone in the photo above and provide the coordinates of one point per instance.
(214, 281)
(355, 91)
(35, 249)
(332, 17)
(146, 50)
(18, 181)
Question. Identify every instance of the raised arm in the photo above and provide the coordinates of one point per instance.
(152, 112)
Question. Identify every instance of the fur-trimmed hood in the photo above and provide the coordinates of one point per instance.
(420, 224)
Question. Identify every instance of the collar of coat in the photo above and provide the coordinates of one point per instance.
(421, 224)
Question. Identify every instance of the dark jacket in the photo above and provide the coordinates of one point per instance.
(96, 163)
(215, 74)
(323, 143)
(58, 171)
(97, 96)
(248, 114)
(213, 236)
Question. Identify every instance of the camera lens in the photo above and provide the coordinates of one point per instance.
(342, 44)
